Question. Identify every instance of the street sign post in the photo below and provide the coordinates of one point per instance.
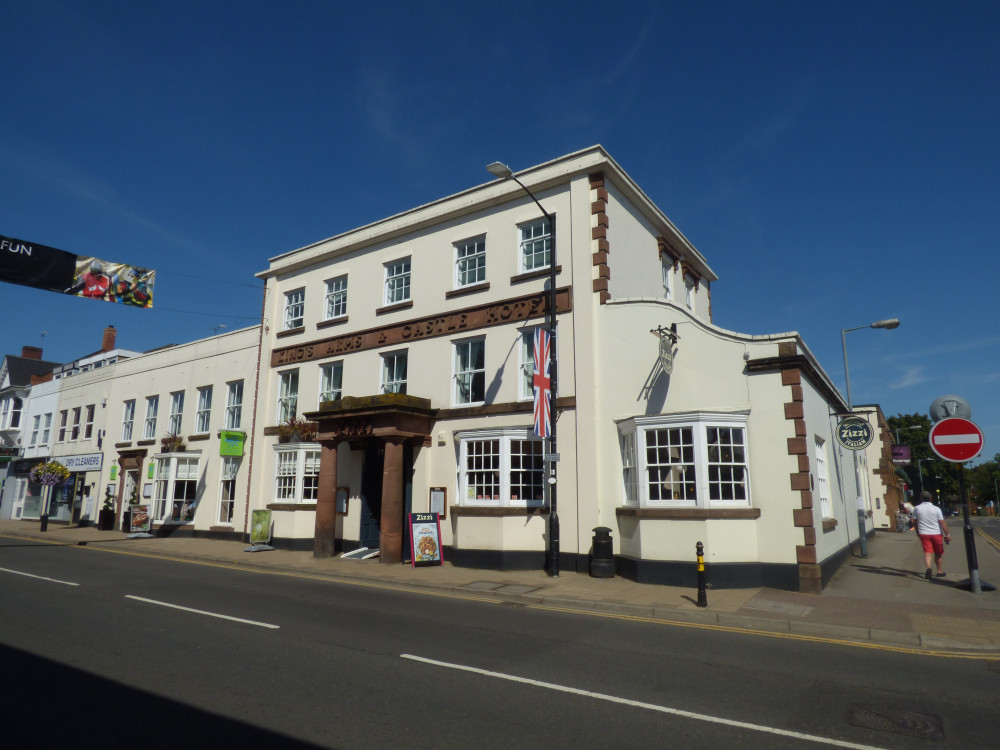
(956, 439)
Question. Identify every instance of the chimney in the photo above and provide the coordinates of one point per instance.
(31, 352)
(108, 342)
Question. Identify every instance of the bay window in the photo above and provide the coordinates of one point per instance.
(502, 468)
(175, 487)
(685, 460)
(296, 473)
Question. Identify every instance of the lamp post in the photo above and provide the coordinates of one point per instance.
(503, 172)
(888, 324)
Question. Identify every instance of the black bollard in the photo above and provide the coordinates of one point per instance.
(702, 596)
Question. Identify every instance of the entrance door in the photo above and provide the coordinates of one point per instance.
(371, 493)
(19, 493)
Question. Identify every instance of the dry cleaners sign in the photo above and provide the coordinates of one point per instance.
(85, 462)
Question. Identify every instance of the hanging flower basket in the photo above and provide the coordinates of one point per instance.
(49, 473)
(172, 443)
(296, 430)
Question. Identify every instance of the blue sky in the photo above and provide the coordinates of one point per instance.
(835, 162)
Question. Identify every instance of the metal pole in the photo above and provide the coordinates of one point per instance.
(862, 532)
(975, 585)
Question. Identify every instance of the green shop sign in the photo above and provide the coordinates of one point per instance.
(231, 443)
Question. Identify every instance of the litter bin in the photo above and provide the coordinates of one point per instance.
(602, 555)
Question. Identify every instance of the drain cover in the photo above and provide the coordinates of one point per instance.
(887, 719)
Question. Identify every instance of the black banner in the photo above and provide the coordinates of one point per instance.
(42, 267)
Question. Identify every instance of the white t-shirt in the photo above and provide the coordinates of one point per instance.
(928, 517)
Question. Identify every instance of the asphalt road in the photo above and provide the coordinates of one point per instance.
(93, 656)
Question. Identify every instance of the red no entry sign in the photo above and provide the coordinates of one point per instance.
(956, 439)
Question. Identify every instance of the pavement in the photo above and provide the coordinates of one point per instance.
(882, 599)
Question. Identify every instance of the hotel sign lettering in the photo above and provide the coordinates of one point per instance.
(469, 319)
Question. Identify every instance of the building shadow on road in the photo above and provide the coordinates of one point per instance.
(48, 704)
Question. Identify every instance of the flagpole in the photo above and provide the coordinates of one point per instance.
(550, 459)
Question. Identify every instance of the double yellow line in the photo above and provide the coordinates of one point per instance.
(988, 539)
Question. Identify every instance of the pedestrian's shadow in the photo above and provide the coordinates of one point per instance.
(901, 573)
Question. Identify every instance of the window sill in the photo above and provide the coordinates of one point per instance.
(529, 275)
(291, 506)
(290, 332)
(124, 445)
(471, 289)
(829, 524)
(490, 511)
(199, 436)
(681, 514)
(332, 322)
(150, 441)
(394, 308)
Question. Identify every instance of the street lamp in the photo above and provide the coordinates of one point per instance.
(503, 172)
(888, 324)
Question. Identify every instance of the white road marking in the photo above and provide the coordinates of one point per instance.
(203, 612)
(648, 706)
(40, 578)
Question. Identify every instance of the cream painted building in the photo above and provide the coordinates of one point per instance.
(406, 346)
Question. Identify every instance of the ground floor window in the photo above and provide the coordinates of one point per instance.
(501, 468)
(175, 493)
(296, 473)
(227, 489)
(685, 460)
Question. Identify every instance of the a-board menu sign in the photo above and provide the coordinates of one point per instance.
(260, 527)
(425, 539)
(140, 520)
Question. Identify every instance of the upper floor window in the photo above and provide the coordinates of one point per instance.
(470, 262)
(526, 379)
(394, 372)
(149, 429)
(234, 405)
(470, 371)
(397, 281)
(330, 382)
(667, 274)
(288, 395)
(10, 412)
(128, 417)
(501, 468)
(536, 245)
(176, 413)
(336, 297)
(75, 434)
(46, 428)
(36, 422)
(689, 285)
(686, 460)
(203, 418)
(88, 423)
(63, 416)
(295, 303)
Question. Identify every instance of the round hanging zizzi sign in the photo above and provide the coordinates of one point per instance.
(854, 433)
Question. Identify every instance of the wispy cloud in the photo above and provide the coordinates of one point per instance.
(985, 344)
(911, 376)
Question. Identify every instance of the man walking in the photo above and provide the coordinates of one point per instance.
(931, 528)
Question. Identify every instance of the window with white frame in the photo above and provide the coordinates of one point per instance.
(88, 422)
(128, 418)
(46, 428)
(5, 405)
(397, 281)
(295, 303)
(470, 371)
(227, 488)
(10, 412)
(296, 473)
(501, 468)
(63, 416)
(336, 298)
(203, 417)
(176, 413)
(175, 488)
(234, 405)
(667, 274)
(685, 460)
(288, 395)
(470, 262)
(75, 432)
(526, 381)
(536, 245)
(394, 372)
(689, 285)
(36, 423)
(822, 478)
(331, 378)
(149, 428)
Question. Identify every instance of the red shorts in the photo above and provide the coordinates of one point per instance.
(932, 543)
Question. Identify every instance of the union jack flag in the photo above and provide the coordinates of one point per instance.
(542, 383)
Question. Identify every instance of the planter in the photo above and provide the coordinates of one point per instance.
(106, 520)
